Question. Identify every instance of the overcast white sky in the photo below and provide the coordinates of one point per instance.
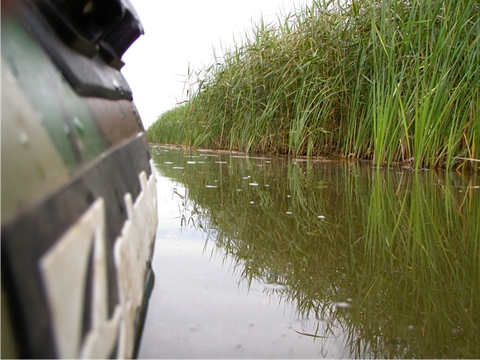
(183, 32)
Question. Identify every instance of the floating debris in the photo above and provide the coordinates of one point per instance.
(341, 305)
(211, 186)
(321, 217)
(253, 184)
(277, 287)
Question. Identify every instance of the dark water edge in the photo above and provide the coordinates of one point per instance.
(288, 258)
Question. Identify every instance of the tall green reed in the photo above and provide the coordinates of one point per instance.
(391, 81)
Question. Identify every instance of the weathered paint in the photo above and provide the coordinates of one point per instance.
(72, 251)
(31, 164)
(131, 257)
(117, 120)
(42, 84)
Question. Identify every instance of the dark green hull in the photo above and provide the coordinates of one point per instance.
(78, 188)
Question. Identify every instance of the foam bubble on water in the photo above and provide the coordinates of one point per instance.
(275, 287)
(342, 305)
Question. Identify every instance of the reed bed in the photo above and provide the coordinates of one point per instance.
(390, 81)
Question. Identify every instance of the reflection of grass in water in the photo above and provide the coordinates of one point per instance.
(403, 246)
(423, 236)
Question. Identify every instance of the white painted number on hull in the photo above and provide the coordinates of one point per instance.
(65, 266)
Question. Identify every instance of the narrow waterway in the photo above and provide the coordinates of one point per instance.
(261, 257)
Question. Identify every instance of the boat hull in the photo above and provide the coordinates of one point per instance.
(79, 208)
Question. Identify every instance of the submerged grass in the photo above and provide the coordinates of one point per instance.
(391, 81)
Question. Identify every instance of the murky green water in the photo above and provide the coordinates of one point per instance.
(274, 257)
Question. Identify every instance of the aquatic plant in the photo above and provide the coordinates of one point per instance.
(171, 129)
(391, 81)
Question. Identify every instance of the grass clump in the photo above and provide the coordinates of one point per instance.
(169, 128)
(391, 81)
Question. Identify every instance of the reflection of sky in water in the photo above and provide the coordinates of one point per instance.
(199, 310)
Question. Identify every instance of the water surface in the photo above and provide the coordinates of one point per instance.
(286, 258)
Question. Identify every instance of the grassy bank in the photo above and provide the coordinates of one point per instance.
(389, 81)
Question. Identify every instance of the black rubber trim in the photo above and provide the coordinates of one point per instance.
(88, 76)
